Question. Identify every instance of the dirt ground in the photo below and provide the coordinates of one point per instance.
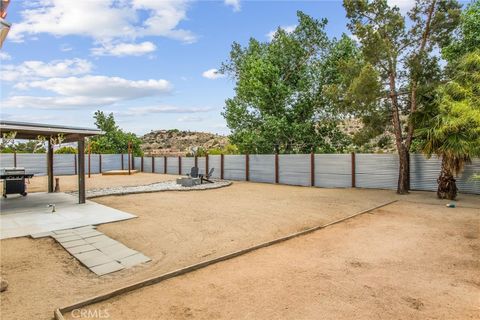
(404, 261)
(177, 229)
(96, 181)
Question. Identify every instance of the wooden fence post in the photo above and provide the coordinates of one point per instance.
(206, 164)
(100, 162)
(165, 164)
(247, 167)
(133, 161)
(180, 165)
(277, 177)
(353, 170)
(121, 159)
(153, 164)
(221, 165)
(141, 165)
(312, 169)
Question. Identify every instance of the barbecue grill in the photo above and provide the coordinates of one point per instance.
(14, 181)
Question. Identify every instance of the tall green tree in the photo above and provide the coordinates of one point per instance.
(278, 104)
(114, 140)
(399, 62)
(453, 133)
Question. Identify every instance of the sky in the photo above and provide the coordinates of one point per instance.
(151, 62)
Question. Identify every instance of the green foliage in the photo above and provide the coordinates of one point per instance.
(115, 140)
(468, 37)
(66, 150)
(454, 132)
(279, 104)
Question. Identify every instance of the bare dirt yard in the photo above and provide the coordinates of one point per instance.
(177, 229)
(97, 181)
(404, 261)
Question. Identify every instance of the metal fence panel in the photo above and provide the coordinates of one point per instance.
(64, 164)
(147, 164)
(262, 168)
(187, 164)
(172, 165)
(376, 171)
(424, 172)
(234, 167)
(94, 164)
(6, 160)
(35, 163)
(294, 169)
(201, 164)
(159, 165)
(125, 161)
(465, 181)
(137, 163)
(333, 170)
(214, 162)
(111, 162)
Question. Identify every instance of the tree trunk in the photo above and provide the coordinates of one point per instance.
(447, 188)
(404, 171)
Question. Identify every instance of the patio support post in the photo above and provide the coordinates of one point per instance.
(353, 170)
(277, 177)
(312, 169)
(81, 170)
(15, 159)
(247, 167)
(50, 165)
(196, 161)
(222, 159)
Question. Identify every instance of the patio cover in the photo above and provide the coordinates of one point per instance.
(30, 131)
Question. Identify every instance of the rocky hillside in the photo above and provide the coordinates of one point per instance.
(179, 143)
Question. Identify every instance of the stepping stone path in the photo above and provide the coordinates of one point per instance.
(96, 251)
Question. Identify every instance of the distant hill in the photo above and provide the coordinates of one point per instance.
(179, 143)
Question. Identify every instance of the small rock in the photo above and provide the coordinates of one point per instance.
(3, 285)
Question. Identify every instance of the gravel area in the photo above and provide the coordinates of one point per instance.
(154, 187)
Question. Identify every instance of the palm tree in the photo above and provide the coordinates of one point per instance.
(453, 134)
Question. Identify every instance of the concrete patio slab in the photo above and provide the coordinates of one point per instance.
(74, 243)
(23, 216)
(81, 249)
(42, 235)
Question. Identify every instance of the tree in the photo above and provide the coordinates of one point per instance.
(468, 37)
(114, 139)
(66, 150)
(399, 63)
(278, 104)
(454, 132)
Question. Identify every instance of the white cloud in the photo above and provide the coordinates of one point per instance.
(86, 91)
(403, 5)
(190, 119)
(103, 20)
(5, 56)
(30, 70)
(287, 29)
(124, 49)
(212, 74)
(65, 48)
(235, 4)
(141, 111)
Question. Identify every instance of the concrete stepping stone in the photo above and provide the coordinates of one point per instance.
(131, 261)
(98, 252)
(75, 243)
(80, 249)
(93, 258)
(42, 235)
(107, 268)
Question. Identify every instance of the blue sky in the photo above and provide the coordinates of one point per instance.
(150, 62)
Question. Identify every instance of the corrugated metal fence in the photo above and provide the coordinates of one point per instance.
(320, 170)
